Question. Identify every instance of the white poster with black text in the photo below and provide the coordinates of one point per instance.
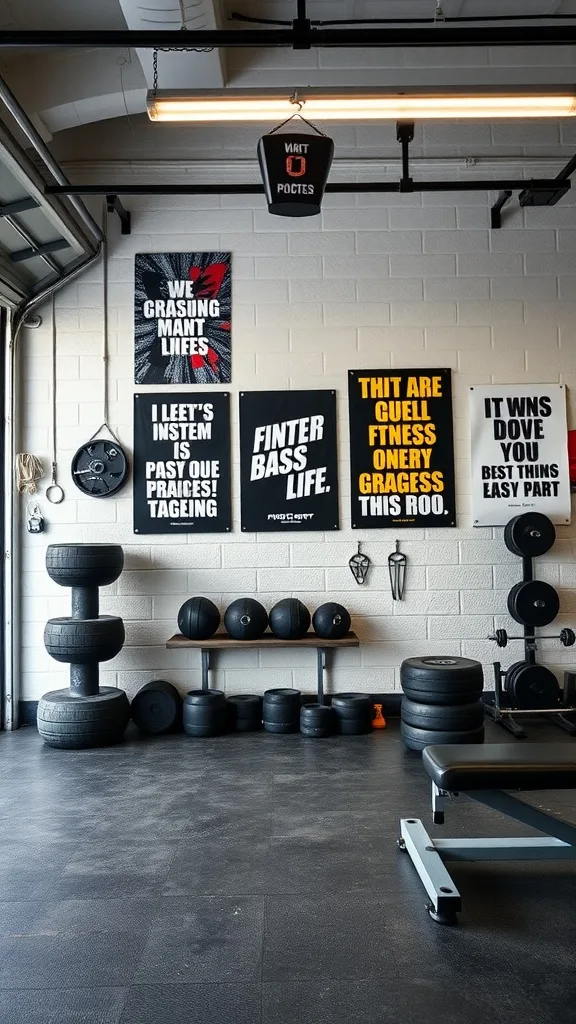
(519, 452)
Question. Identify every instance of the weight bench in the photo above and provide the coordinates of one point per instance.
(483, 772)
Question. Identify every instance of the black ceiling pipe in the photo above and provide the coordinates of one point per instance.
(241, 189)
(482, 35)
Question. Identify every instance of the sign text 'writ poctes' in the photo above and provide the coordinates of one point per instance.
(401, 448)
(288, 460)
(182, 463)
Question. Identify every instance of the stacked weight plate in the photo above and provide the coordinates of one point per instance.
(441, 702)
(533, 604)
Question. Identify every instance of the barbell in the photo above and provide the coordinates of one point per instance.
(567, 637)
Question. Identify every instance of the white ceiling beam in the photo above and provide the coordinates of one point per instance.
(181, 70)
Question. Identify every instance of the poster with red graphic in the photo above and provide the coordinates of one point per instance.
(182, 318)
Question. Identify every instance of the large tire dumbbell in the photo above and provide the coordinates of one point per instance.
(441, 702)
(84, 715)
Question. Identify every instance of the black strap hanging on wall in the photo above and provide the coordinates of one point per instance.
(100, 467)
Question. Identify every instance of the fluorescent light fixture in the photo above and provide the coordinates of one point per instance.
(332, 105)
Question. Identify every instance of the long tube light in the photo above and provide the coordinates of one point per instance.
(202, 105)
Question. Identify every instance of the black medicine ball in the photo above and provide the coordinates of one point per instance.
(289, 619)
(331, 621)
(198, 618)
(245, 619)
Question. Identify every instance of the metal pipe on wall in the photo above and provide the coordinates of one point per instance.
(243, 189)
(308, 38)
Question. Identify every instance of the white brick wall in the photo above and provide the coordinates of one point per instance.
(369, 283)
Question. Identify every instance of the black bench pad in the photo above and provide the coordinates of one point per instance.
(502, 766)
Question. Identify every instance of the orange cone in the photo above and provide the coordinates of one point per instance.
(378, 722)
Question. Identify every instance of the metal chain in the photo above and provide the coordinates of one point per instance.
(173, 49)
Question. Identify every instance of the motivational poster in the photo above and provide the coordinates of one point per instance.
(401, 448)
(182, 318)
(519, 452)
(288, 460)
(182, 463)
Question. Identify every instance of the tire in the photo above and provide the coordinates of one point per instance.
(351, 705)
(429, 716)
(317, 721)
(442, 674)
(204, 713)
(417, 739)
(156, 708)
(353, 713)
(84, 641)
(442, 699)
(244, 712)
(75, 723)
(84, 565)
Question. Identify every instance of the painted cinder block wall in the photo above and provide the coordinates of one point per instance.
(376, 281)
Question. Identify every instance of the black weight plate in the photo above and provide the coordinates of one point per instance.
(530, 534)
(532, 686)
(431, 716)
(439, 698)
(417, 739)
(100, 468)
(441, 673)
(533, 603)
(156, 708)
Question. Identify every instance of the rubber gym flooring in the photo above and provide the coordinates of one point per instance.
(255, 879)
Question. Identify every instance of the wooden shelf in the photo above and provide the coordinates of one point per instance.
(223, 642)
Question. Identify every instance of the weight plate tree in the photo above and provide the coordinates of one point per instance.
(84, 715)
(533, 603)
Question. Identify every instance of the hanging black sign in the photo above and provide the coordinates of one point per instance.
(295, 170)
(401, 448)
(182, 318)
(288, 461)
(182, 463)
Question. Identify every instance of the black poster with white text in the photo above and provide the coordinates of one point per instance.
(182, 317)
(288, 460)
(182, 463)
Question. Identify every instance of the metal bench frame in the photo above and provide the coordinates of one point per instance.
(428, 855)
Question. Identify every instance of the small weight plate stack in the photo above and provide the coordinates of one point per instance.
(441, 702)
(532, 603)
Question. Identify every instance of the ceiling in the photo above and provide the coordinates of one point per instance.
(63, 89)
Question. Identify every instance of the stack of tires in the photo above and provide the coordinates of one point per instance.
(85, 714)
(441, 702)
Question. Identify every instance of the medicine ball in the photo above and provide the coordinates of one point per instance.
(289, 619)
(331, 621)
(198, 618)
(245, 619)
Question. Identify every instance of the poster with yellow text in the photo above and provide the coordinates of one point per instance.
(401, 448)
